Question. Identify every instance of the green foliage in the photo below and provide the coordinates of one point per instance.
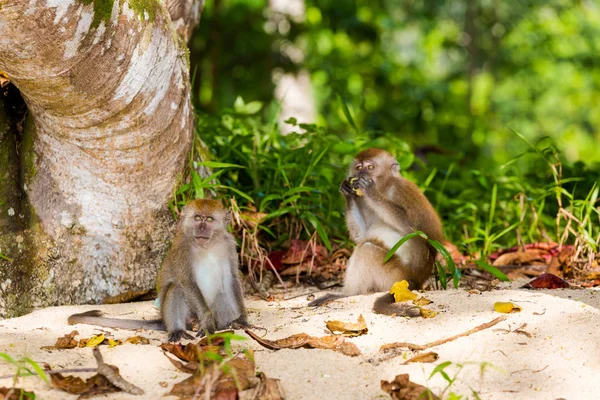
(293, 178)
(24, 367)
(451, 377)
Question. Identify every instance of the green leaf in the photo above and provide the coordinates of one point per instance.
(216, 164)
(39, 370)
(321, 232)
(347, 113)
(401, 242)
(492, 270)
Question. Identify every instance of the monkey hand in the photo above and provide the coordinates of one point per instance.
(347, 189)
(365, 184)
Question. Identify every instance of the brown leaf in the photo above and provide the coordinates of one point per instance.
(219, 380)
(253, 218)
(97, 384)
(65, 342)
(403, 389)
(112, 374)
(518, 258)
(15, 394)
(189, 367)
(301, 250)
(424, 358)
(191, 352)
(547, 281)
(348, 328)
(331, 342)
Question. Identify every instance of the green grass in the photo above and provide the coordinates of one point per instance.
(294, 182)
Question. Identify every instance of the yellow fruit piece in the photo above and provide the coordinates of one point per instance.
(401, 292)
(359, 192)
(506, 307)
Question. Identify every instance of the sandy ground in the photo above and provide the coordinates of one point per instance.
(561, 359)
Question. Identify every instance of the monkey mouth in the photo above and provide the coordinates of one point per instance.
(202, 237)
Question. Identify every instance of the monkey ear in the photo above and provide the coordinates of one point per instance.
(227, 217)
(395, 168)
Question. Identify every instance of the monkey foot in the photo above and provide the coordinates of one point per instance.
(176, 336)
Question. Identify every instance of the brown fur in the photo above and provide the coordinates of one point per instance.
(388, 208)
(202, 250)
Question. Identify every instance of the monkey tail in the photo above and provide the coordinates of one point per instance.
(387, 306)
(96, 317)
(325, 299)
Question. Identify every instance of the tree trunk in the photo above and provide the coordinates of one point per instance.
(89, 172)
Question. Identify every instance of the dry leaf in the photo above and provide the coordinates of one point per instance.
(95, 340)
(506, 307)
(403, 389)
(347, 328)
(224, 381)
(267, 389)
(428, 357)
(137, 340)
(112, 343)
(401, 292)
(15, 394)
(518, 258)
(425, 313)
(422, 301)
(547, 281)
(65, 342)
(95, 385)
(332, 342)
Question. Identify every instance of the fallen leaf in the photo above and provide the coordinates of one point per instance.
(137, 340)
(331, 342)
(422, 301)
(506, 307)
(401, 292)
(112, 343)
(95, 385)
(401, 388)
(547, 281)
(347, 328)
(428, 357)
(95, 340)
(65, 342)
(518, 258)
(224, 380)
(267, 389)
(15, 394)
(191, 351)
(425, 313)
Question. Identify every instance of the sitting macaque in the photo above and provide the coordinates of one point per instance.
(382, 207)
(199, 278)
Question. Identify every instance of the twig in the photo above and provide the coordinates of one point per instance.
(113, 376)
(410, 346)
(56, 371)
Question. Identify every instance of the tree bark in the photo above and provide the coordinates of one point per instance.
(109, 125)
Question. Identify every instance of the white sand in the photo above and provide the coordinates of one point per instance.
(561, 359)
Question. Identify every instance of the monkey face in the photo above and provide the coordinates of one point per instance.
(203, 219)
(374, 164)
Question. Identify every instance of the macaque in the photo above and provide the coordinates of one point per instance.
(382, 207)
(199, 278)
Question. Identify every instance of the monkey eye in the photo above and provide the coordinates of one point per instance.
(370, 167)
(210, 219)
(359, 167)
(197, 217)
